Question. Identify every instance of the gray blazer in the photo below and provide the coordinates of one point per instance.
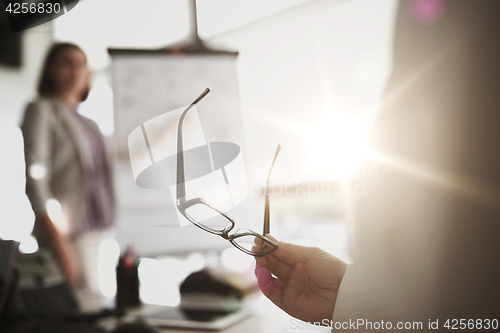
(55, 143)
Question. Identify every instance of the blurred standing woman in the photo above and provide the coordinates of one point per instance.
(68, 179)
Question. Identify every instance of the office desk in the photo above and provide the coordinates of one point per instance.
(267, 318)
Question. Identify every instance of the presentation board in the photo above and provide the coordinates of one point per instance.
(149, 84)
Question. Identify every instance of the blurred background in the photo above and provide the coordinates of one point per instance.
(309, 75)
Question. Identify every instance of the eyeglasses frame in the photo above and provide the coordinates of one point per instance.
(183, 204)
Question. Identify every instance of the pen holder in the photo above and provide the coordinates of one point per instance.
(127, 284)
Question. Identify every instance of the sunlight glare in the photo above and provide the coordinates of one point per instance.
(335, 141)
(28, 245)
(54, 211)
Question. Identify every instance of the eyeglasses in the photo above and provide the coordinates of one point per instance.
(242, 239)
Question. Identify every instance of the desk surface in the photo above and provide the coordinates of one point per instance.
(267, 318)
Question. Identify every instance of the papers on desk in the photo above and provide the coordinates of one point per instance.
(191, 318)
(201, 311)
(210, 302)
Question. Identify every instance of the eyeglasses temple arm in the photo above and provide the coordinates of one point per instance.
(267, 227)
(181, 187)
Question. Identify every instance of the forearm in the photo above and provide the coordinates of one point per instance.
(59, 243)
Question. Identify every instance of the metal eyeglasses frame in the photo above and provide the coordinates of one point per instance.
(183, 204)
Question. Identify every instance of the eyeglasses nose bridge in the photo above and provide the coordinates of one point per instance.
(225, 235)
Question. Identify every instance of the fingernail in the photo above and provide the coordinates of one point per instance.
(260, 271)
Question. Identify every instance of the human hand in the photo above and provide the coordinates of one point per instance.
(306, 282)
(69, 265)
(62, 249)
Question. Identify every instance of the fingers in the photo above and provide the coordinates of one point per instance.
(282, 261)
(257, 249)
(271, 238)
(262, 263)
(270, 287)
(290, 254)
(278, 267)
(274, 264)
